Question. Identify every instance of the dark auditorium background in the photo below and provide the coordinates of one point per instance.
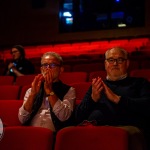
(31, 22)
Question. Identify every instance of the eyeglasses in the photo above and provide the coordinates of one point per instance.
(118, 60)
(52, 65)
(13, 52)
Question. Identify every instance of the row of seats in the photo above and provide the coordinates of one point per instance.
(71, 77)
(16, 136)
(82, 47)
(16, 92)
(89, 63)
(76, 80)
(71, 138)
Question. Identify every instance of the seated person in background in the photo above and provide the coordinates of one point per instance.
(19, 65)
(119, 100)
(49, 103)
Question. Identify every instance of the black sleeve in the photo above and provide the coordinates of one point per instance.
(87, 105)
(139, 105)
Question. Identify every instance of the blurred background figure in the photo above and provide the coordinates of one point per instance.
(19, 65)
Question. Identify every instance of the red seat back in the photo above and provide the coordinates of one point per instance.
(23, 91)
(6, 80)
(92, 137)
(102, 74)
(81, 89)
(25, 80)
(26, 138)
(9, 92)
(144, 73)
(73, 77)
(89, 67)
(9, 112)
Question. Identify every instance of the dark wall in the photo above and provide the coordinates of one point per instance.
(20, 23)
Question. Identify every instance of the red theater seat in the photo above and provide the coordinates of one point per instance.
(9, 92)
(134, 64)
(144, 73)
(81, 89)
(9, 112)
(118, 42)
(92, 138)
(145, 64)
(25, 80)
(138, 42)
(6, 80)
(102, 74)
(26, 138)
(89, 67)
(100, 43)
(67, 68)
(23, 91)
(73, 77)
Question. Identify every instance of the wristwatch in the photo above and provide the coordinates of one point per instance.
(50, 94)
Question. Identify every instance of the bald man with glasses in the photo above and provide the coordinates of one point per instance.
(119, 100)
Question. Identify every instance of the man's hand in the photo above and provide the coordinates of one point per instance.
(11, 65)
(110, 94)
(35, 86)
(97, 88)
(49, 76)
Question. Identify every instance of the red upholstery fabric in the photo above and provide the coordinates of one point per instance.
(118, 42)
(102, 74)
(67, 68)
(92, 138)
(26, 138)
(9, 92)
(73, 77)
(25, 80)
(9, 112)
(6, 80)
(23, 91)
(81, 89)
(145, 73)
(145, 64)
(89, 67)
(134, 64)
(138, 42)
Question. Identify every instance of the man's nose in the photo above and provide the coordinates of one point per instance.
(115, 62)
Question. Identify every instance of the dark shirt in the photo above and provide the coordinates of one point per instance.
(132, 109)
(24, 66)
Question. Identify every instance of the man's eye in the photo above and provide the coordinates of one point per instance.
(45, 64)
(111, 60)
(120, 59)
(52, 65)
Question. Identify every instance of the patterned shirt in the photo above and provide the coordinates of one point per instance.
(62, 109)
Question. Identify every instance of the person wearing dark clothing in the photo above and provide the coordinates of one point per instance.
(119, 100)
(19, 65)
